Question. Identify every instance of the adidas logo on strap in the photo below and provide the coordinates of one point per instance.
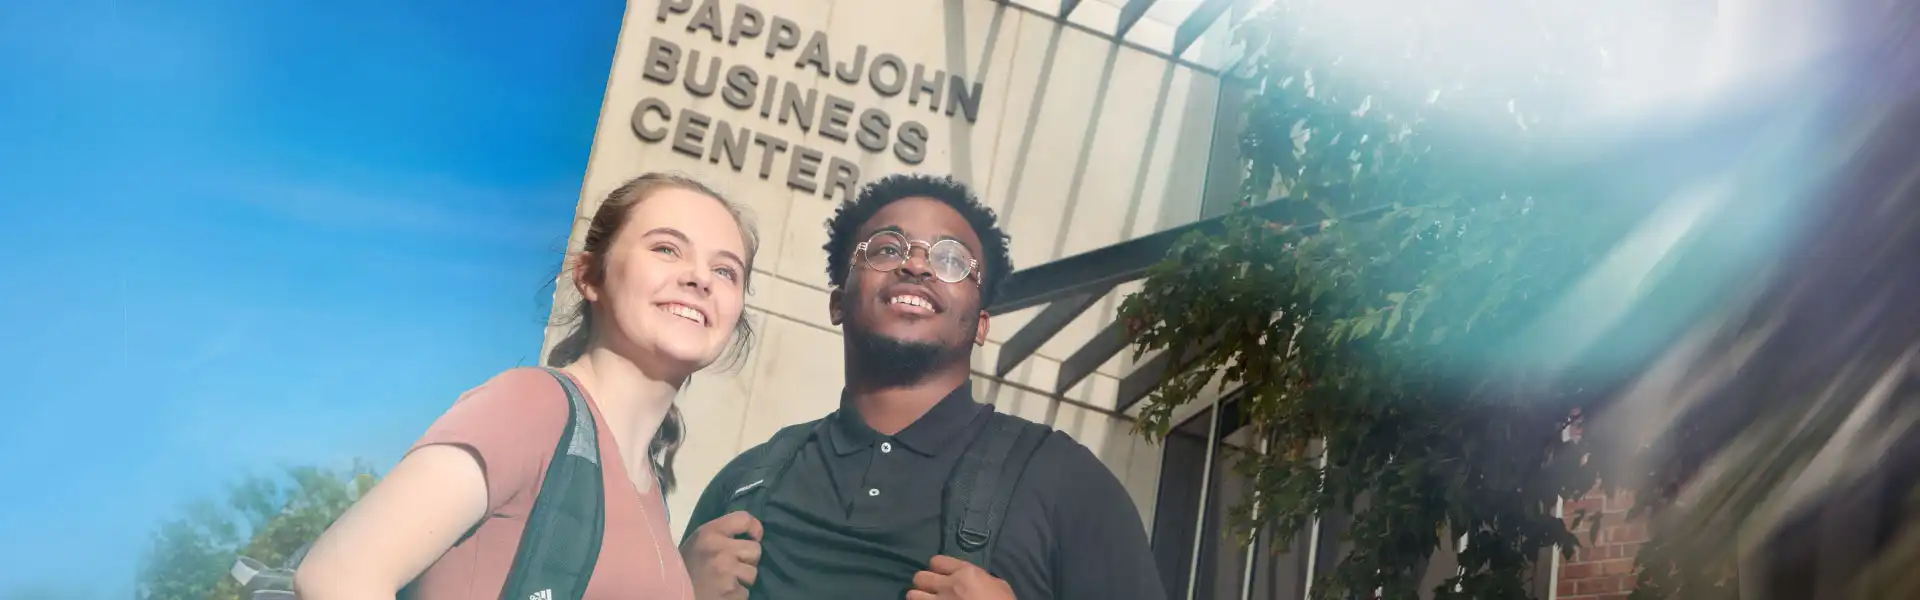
(546, 594)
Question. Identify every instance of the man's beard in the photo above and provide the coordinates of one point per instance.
(886, 362)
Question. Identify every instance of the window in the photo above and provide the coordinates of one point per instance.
(1193, 545)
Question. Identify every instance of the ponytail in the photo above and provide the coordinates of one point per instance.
(666, 443)
(673, 431)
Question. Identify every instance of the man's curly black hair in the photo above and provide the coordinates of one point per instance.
(847, 219)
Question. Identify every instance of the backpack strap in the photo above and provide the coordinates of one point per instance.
(756, 483)
(982, 485)
(562, 540)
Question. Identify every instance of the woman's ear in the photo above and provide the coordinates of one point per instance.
(834, 314)
(583, 266)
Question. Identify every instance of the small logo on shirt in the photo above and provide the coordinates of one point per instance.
(546, 594)
(744, 489)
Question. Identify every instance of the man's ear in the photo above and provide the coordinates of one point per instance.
(834, 313)
(583, 267)
(980, 330)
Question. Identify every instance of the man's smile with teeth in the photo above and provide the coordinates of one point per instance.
(685, 312)
(911, 300)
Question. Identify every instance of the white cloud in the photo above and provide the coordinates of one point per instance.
(218, 342)
(434, 208)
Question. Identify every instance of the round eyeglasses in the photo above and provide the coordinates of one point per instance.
(949, 259)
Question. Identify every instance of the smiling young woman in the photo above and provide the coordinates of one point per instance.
(663, 276)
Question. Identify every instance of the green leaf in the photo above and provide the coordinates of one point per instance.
(1364, 326)
(1393, 319)
(1419, 309)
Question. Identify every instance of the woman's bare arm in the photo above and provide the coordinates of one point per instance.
(398, 529)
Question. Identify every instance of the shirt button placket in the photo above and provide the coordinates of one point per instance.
(886, 448)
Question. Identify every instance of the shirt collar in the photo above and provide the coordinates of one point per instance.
(927, 436)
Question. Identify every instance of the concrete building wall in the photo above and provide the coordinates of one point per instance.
(1077, 141)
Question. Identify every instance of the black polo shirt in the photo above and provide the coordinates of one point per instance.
(858, 513)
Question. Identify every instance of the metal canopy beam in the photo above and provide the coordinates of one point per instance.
(1043, 327)
(1102, 268)
(1110, 341)
(1066, 8)
(1197, 23)
(1131, 15)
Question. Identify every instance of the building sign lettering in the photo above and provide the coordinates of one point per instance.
(785, 102)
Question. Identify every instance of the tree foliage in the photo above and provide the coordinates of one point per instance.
(1378, 312)
(263, 517)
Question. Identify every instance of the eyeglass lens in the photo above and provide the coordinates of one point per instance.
(949, 259)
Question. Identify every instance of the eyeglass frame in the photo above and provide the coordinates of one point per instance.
(860, 255)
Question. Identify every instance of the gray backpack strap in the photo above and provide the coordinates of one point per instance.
(981, 487)
(582, 435)
(561, 543)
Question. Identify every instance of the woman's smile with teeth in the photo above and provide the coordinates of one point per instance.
(685, 312)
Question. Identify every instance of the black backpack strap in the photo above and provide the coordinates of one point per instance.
(562, 539)
(982, 485)
(756, 483)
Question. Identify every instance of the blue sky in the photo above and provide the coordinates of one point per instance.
(239, 234)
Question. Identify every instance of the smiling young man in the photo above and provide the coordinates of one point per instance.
(912, 488)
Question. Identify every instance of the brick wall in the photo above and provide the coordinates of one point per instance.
(1602, 569)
